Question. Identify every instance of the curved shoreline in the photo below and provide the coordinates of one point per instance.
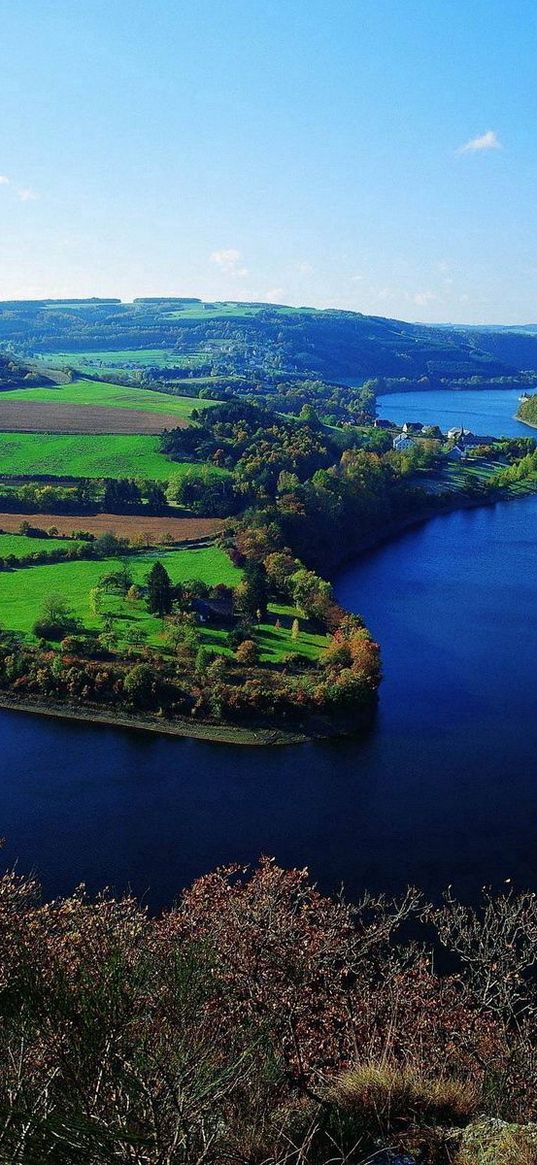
(237, 734)
(410, 521)
(222, 734)
(523, 421)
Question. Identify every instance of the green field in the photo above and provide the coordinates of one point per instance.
(19, 545)
(85, 455)
(96, 392)
(22, 592)
(213, 311)
(118, 358)
(276, 642)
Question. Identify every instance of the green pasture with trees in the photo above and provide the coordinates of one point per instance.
(23, 592)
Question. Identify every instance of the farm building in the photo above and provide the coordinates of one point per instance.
(412, 427)
(402, 444)
(214, 610)
(458, 453)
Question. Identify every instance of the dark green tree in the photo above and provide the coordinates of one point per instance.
(159, 590)
(253, 592)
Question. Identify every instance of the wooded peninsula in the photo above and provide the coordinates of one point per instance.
(179, 487)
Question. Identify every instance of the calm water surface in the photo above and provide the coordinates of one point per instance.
(487, 413)
(443, 789)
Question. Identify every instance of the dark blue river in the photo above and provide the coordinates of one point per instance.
(443, 789)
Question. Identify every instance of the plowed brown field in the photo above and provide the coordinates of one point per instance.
(51, 417)
(124, 525)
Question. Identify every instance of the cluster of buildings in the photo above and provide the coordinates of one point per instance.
(463, 439)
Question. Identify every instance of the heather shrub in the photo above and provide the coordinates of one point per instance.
(256, 1023)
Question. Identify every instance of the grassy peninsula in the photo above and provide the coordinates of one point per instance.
(181, 576)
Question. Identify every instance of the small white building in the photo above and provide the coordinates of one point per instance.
(402, 444)
(459, 433)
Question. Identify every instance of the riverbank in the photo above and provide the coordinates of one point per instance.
(222, 734)
(320, 728)
(523, 421)
(409, 521)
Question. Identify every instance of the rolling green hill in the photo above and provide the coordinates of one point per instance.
(257, 339)
(97, 392)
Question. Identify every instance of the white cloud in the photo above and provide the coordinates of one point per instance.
(356, 278)
(305, 269)
(227, 259)
(274, 295)
(3, 180)
(27, 195)
(486, 141)
(422, 298)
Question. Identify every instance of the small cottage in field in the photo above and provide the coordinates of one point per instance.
(402, 443)
(381, 423)
(213, 610)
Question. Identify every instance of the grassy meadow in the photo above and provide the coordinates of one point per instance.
(96, 392)
(118, 358)
(22, 592)
(20, 545)
(86, 455)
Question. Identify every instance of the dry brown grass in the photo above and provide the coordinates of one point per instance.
(396, 1096)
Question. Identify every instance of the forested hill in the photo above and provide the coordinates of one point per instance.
(263, 339)
(514, 346)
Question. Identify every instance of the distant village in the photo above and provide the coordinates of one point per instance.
(458, 441)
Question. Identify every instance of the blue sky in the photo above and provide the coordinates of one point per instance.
(300, 151)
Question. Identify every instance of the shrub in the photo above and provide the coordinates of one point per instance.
(493, 1142)
(138, 684)
(56, 620)
(388, 1095)
(247, 653)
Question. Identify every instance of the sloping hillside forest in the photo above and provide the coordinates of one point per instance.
(261, 1023)
(235, 338)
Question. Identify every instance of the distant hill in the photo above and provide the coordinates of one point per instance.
(516, 347)
(268, 340)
